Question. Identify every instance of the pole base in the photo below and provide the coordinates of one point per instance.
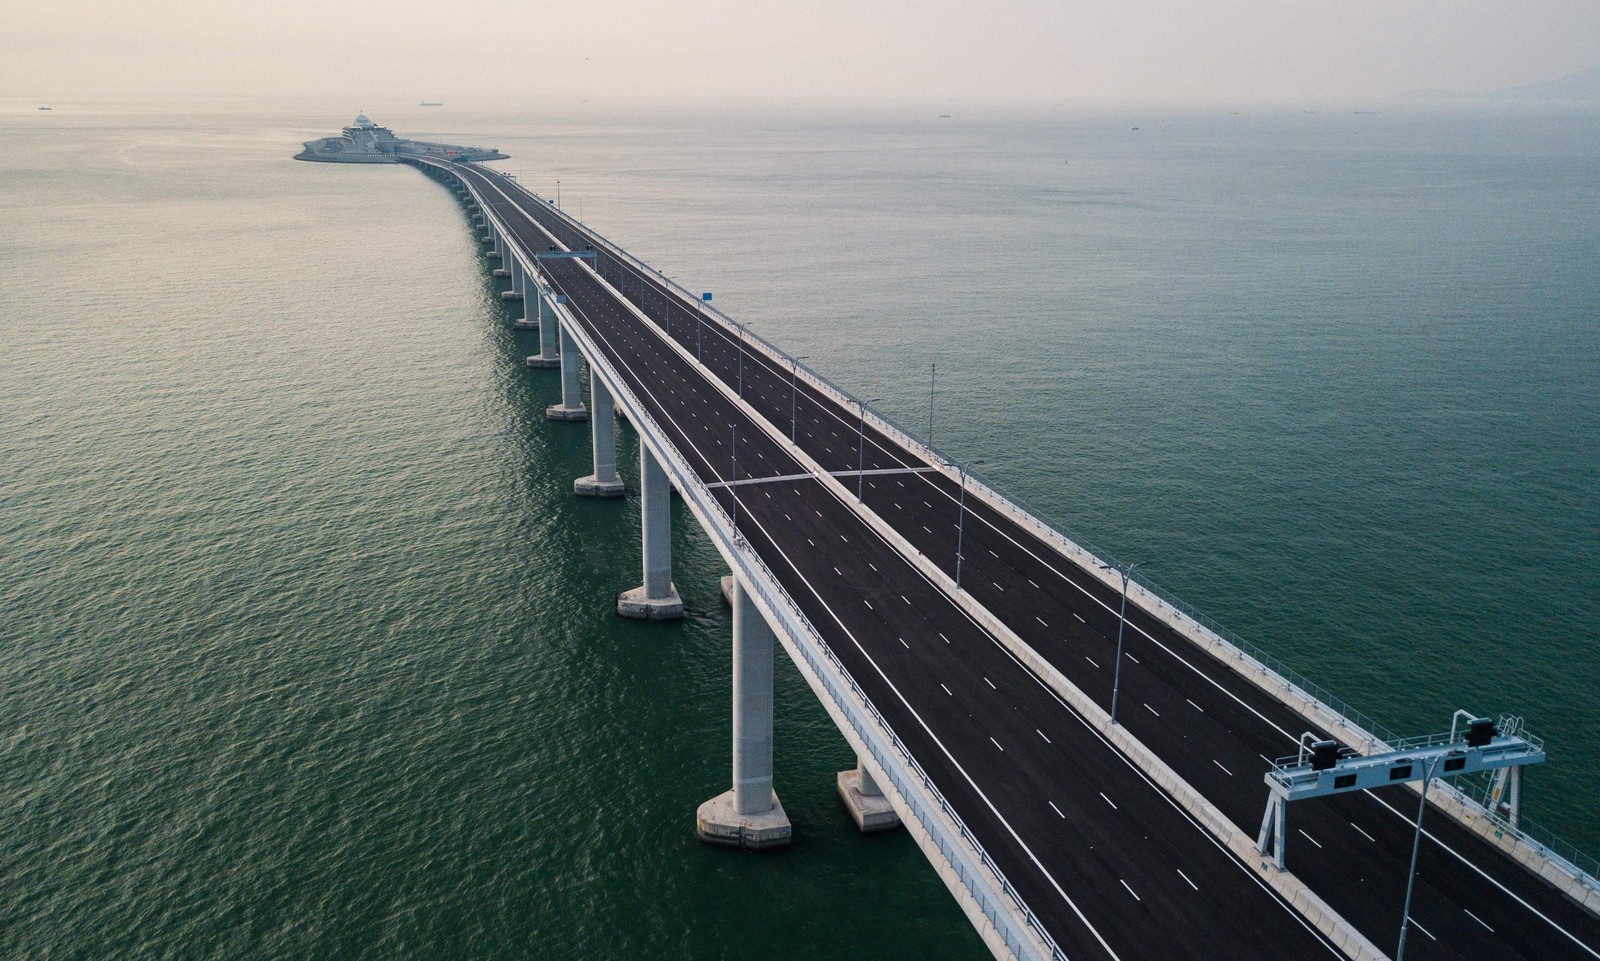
(523, 323)
(493, 255)
(563, 412)
(636, 605)
(538, 360)
(589, 487)
(716, 822)
(502, 272)
(510, 294)
(727, 588)
(871, 812)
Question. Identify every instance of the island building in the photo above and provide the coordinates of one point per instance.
(364, 142)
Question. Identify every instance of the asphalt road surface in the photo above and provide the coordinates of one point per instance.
(1108, 862)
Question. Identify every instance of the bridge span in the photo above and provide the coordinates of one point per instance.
(967, 652)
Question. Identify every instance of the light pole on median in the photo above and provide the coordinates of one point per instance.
(741, 356)
(933, 370)
(669, 310)
(1122, 621)
(861, 447)
(1416, 843)
(794, 396)
(700, 328)
(733, 476)
(961, 518)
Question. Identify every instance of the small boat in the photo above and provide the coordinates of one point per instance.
(428, 103)
(944, 116)
(44, 108)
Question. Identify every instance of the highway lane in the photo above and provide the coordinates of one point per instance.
(1214, 727)
(1106, 859)
(1485, 905)
(1219, 736)
(1483, 910)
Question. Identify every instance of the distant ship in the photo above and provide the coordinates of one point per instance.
(364, 142)
(44, 108)
(429, 103)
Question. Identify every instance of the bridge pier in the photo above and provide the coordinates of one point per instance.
(520, 282)
(515, 293)
(750, 815)
(499, 253)
(549, 339)
(604, 482)
(656, 599)
(571, 406)
(548, 355)
(865, 801)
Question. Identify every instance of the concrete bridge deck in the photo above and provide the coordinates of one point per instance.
(1122, 842)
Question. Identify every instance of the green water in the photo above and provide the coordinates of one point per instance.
(307, 650)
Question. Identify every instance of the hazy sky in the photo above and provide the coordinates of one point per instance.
(870, 49)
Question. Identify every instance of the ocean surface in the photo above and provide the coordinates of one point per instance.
(307, 651)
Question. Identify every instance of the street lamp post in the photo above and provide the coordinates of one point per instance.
(1416, 844)
(794, 394)
(961, 518)
(733, 491)
(741, 357)
(861, 447)
(1122, 622)
(933, 370)
(669, 308)
(700, 328)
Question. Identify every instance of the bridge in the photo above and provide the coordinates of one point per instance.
(1077, 802)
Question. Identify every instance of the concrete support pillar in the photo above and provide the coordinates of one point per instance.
(864, 799)
(549, 355)
(750, 815)
(518, 280)
(502, 254)
(571, 406)
(604, 482)
(656, 599)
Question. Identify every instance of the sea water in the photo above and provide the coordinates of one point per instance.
(308, 651)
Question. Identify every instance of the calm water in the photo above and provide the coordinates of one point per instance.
(307, 651)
